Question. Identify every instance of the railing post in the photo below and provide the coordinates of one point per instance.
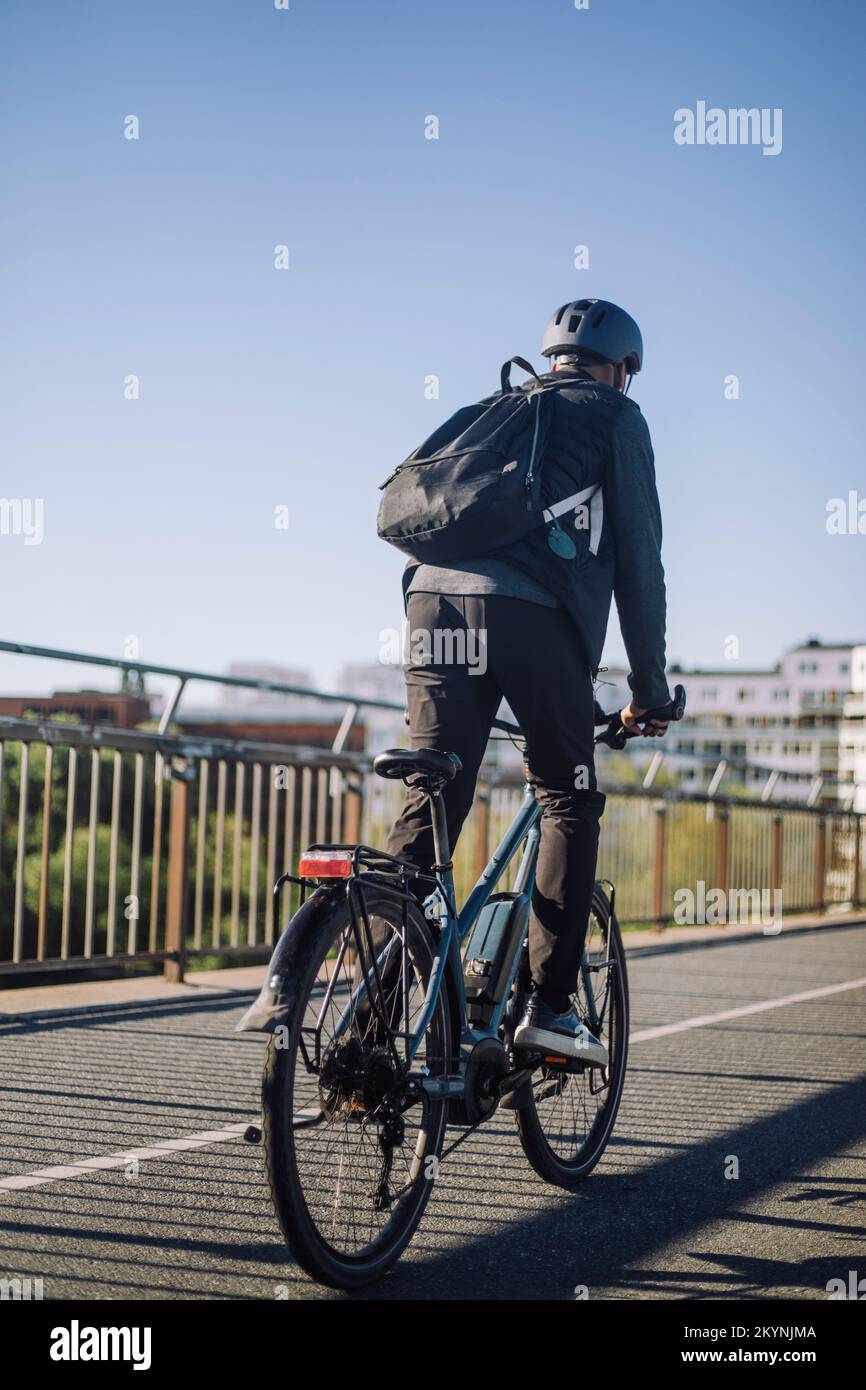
(820, 863)
(776, 865)
(723, 817)
(177, 901)
(482, 830)
(46, 853)
(858, 850)
(353, 799)
(659, 866)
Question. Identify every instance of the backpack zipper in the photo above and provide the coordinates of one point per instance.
(529, 481)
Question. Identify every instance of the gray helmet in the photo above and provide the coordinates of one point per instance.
(597, 330)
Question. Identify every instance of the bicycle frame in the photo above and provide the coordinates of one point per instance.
(264, 1014)
(459, 924)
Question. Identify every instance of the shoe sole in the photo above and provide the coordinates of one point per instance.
(560, 1045)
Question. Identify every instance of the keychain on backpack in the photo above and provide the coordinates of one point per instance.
(560, 543)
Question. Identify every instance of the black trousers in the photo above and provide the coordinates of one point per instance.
(465, 655)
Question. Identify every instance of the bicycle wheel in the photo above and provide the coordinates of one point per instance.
(347, 1145)
(569, 1115)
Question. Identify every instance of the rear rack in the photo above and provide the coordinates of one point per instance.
(390, 875)
(364, 858)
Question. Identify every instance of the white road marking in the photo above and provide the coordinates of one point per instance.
(704, 1020)
(63, 1172)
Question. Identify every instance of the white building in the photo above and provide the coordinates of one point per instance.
(803, 718)
(852, 731)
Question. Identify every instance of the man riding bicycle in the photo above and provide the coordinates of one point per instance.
(538, 610)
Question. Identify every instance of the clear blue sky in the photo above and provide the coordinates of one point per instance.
(411, 257)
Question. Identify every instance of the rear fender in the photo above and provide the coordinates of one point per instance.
(269, 1010)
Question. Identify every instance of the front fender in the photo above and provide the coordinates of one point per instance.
(269, 1010)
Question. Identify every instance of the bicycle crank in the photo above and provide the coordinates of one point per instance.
(485, 1068)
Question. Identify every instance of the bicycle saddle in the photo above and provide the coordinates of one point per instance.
(409, 762)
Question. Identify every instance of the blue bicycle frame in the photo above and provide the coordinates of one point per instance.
(458, 925)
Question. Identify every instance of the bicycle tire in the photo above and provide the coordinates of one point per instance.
(286, 1174)
(550, 1165)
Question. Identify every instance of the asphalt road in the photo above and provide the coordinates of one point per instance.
(780, 1089)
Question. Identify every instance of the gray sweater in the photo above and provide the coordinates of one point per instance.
(486, 575)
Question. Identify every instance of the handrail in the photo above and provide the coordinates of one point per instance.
(174, 745)
(183, 676)
(180, 673)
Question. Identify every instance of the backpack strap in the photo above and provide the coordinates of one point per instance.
(505, 374)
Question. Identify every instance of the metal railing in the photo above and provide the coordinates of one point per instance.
(147, 846)
(120, 846)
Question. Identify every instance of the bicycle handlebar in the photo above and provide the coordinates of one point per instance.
(504, 727)
(616, 735)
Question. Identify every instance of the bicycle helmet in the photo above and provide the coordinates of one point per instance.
(596, 330)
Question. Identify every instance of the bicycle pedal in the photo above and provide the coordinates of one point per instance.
(570, 1066)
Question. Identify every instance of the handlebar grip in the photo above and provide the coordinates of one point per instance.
(615, 736)
(672, 711)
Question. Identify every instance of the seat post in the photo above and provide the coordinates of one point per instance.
(439, 827)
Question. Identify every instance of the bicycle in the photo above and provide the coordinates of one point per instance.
(383, 1033)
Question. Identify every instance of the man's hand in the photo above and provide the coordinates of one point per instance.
(657, 728)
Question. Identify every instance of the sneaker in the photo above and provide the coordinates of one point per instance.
(562, 1035)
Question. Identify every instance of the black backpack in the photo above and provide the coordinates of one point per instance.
(474, 486)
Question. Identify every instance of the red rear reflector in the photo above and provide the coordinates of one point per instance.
(323, 863)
